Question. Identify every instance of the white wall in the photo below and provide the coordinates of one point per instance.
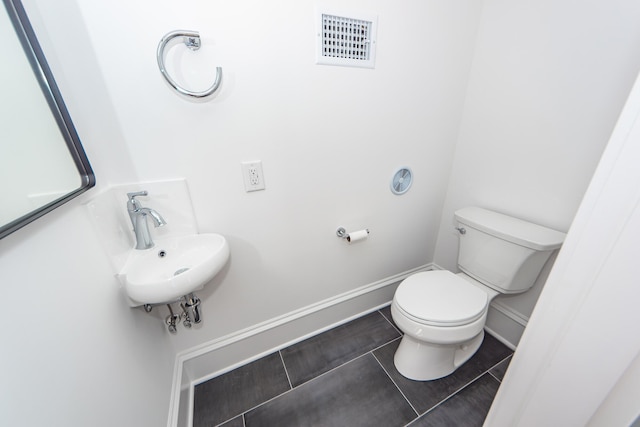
(330, 139)
(73, 353)
(547, 83)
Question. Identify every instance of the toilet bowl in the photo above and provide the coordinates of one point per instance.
(442, 314)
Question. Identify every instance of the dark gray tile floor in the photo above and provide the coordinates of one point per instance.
(346, 377)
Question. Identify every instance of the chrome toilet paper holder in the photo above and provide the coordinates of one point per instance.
(342, 233)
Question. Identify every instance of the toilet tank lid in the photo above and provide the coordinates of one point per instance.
(514, 230)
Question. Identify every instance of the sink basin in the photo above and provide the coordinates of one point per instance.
(174, 267)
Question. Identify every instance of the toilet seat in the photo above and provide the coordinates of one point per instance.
(440, 298)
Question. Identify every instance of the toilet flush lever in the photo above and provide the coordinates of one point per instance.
(461, 230)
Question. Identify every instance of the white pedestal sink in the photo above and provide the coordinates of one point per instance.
(174, 267)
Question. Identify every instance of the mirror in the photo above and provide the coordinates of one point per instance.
(42, 162)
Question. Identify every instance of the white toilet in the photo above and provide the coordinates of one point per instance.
(442, 314)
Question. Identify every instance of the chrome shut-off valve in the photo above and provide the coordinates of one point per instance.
(192, 309)
(190, 305)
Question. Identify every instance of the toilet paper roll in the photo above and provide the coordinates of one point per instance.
(354, 236)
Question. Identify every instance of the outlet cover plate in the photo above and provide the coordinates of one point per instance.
(252, 175)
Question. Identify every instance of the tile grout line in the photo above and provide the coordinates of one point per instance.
(390, 321)
(226, 421)
(284, 365)
(382, 345)
(397, 387)
(494, 377)
(495, 365)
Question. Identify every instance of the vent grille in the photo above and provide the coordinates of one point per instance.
(346, 41)
(345, 37)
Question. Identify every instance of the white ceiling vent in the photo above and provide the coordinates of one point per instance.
(347, 41)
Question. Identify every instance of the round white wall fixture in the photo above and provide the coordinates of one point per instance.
(401, 181)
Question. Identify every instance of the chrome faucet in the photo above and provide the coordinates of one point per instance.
(138, 216)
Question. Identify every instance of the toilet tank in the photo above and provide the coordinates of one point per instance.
(502, 252)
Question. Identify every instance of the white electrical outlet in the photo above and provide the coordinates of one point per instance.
(252, 175)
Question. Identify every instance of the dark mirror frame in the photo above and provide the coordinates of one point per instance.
(51, 93)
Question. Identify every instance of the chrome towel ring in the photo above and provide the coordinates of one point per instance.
(192, 40)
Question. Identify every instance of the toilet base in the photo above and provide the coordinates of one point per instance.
(422, 361)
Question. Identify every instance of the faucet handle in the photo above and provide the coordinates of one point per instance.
(136, 194)
(133, 204)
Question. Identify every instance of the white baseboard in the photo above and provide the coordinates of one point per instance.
(506, 324)
(499, 337)
(231, 351)
(511, 313)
